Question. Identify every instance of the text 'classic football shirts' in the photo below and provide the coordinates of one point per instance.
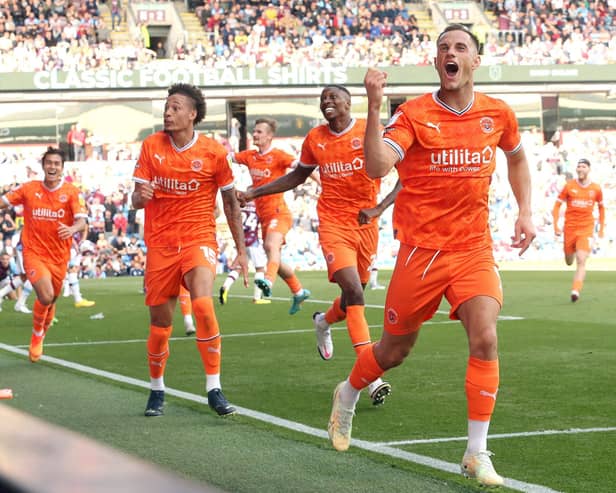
(185, 183)
(346, 188)
(44, 210)
(447, 158)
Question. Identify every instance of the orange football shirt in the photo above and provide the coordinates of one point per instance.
(447, 159)
(44, 209)
(186, 180)
(580, 202)
(265, 168)
(345, 186)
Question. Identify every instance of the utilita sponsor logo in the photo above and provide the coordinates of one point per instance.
(460, 160)
(260, 173)
(582, 204)
(43, 213)
(461, 157)
(173, 185)
(340, 167)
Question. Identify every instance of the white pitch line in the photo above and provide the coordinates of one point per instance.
(284, 423)
(570, 431)
(328, 302)
(224, 336)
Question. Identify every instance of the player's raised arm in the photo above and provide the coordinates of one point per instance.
(380, 158)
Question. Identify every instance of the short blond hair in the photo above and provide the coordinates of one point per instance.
(270, 122)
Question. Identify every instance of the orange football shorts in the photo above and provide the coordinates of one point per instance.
(166, 267)
(36, 268)
(577, 240)
(349, 247)
(280, 223)
(422, 277)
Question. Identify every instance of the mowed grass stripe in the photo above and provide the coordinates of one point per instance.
(191, 441)
(555, 366)
(284, 423)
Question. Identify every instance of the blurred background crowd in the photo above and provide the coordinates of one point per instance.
(114, 243)
(37, 35)
(79, 34)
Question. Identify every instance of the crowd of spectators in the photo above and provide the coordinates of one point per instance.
(114, 245)
(37, 35)
(361, 34)
(40, 35)
(546, 32)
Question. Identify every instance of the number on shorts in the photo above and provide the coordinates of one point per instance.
(209, 254)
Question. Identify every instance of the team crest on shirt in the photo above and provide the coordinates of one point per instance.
(356, 143)
(486, 124)
(63, 198)
(392, 316)
(268, 159)
(196, 165)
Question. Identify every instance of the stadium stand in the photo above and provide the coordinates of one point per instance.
(63, 35)
(66, 35)
(262, 34)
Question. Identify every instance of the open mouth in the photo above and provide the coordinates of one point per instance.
(329, 110)
(451, 68)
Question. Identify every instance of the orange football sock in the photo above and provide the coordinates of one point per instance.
(39, 315)
(358, 327)
(293, 282)
(208, 334)
(481, 388)
(271, 271)
(51, 313)
(185, 303)
(335, 312)
(158, 349)
(577, 286)
(366, 369)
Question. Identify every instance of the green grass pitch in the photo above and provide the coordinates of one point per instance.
(554, 424)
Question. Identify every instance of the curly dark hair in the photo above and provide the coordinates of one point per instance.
(192, 92)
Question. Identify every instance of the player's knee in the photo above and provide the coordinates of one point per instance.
(160, 320)
(485, 345)
(46, 298)
(354, 295)
(388, 358)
